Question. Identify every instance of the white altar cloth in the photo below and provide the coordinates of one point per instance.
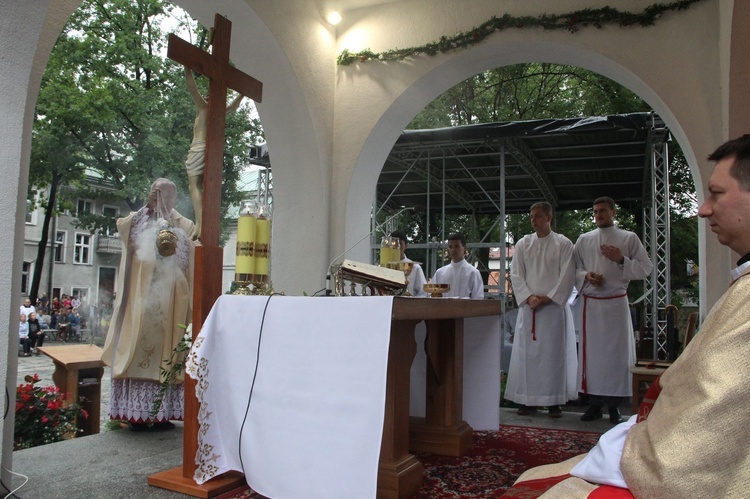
(481, 374)
(313, 427)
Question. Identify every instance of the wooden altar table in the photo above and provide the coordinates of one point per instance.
(330, 408)
(442, 430)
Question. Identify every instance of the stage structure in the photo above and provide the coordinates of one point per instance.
(496, 168)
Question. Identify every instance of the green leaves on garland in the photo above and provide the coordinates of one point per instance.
(572, 21)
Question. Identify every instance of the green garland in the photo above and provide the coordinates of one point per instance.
(572, 21)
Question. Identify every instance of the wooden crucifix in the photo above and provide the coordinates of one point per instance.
(208, 255)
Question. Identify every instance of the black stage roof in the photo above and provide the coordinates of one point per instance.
(568, 162)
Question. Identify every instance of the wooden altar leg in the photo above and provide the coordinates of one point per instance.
(442, 430)
(207, 286)
(399, 473)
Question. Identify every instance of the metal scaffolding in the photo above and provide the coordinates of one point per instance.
(656, 227)
(499, 168)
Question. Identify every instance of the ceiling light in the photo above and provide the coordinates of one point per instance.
(333, 18)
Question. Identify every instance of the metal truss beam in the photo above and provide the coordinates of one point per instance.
(531, 165)
(656, 228)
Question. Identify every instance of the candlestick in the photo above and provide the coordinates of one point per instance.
(245, 263)
(262, 246)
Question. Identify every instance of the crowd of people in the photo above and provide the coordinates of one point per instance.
(62, 317)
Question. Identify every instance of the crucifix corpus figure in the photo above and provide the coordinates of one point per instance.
(211, 118)
(196, 158)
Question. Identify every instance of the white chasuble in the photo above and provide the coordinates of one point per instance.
(607, 347)
(543, 362)
(153, 299)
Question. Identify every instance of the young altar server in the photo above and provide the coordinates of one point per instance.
(416, 278)
(543, 362)
(607, 259)
(464, 279)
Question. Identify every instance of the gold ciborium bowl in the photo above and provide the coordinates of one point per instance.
(405, 267)
(436, 290)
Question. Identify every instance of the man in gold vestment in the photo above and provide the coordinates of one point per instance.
(695, 440)
(153, 300)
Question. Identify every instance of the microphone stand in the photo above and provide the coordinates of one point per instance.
(347, 250)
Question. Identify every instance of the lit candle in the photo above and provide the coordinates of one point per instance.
(245, 263)
(385, 252)
(262, 245)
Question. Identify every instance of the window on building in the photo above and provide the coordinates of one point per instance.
(82, 249)
(31, 214)
(111, 212)
(25, 277)
(60, 239)
(85, 206)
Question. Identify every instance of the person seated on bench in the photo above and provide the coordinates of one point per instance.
(73, 322)
(61, 322)
(36, 335)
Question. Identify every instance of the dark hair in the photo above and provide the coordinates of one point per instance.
(542, 205)
(739, 149)
(400, 234)
(605, 199)
(458, 236)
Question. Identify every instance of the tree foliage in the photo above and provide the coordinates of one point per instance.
(114, 114)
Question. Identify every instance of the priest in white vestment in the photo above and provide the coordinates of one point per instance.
(607, 259)
(464, 279)
(543, 362)
(416, 278)
(153, 300)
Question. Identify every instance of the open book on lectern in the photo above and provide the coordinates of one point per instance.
(373, 274)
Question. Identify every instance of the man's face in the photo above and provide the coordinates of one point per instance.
(27, 303)
(727, 208)
(540, 221)
(164, 193)
(604, 216)
(456, 250)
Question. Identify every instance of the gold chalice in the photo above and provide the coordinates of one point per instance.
(406, 268)
(436, 290)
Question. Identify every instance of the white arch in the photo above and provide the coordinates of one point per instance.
(433, 83)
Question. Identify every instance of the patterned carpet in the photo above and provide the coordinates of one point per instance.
(494, 462)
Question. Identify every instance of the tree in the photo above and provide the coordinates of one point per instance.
(113, 108)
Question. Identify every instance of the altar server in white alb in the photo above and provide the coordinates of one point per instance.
(543, 363)
(416, 278)
(464, 279)
(607, 259)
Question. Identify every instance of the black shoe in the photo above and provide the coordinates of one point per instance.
(526, 410)
(614, 415)
(593, 412)
(555, 411)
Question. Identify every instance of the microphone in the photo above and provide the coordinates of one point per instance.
(415, 209)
